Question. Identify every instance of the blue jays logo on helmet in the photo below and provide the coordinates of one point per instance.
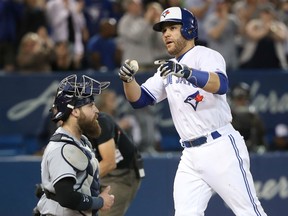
(189, 29)
(194, 99)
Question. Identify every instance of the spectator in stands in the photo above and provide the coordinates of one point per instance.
(96, 10)
(283, 17)
(158, 49)
(103, 52)
(201, 9)
(62, 59)
(171, 3)
(246, 119)
(245, 10)
(222, 27)
(280, 141)
(283, 12)
(10, 15)
(33, 56)
(136, 36)
(67, 23)
(33, 18)
(266, 38)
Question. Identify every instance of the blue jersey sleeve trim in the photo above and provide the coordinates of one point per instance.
(223, 83)
(145, 99)
(143, 88)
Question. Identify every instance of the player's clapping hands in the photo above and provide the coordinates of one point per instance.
(128, 70)
(170, 67)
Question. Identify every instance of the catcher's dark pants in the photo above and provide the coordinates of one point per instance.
(124, 186)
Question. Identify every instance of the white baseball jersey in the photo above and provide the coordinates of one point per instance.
(220, 163)
(54, 168)
(194, 111)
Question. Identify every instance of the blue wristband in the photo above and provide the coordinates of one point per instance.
(199, 78)
(97, 203)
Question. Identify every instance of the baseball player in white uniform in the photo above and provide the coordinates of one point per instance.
(215, 157)
(69, 168)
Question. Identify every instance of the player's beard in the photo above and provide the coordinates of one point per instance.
(90, 128)
(179, 45)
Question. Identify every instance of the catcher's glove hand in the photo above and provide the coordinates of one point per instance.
(128, 70)
(170, 67)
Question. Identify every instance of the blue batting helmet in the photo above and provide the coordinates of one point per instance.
(189, 29)
(72, 94)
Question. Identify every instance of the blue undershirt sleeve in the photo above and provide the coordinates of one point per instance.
(144, 100)
(223, 84)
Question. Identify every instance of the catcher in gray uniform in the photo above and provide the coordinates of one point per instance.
(69, 168)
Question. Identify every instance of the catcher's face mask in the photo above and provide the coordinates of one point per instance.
(86, 88)
(72, 94)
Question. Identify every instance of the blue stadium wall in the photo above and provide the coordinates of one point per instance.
(20, 174)
(26, 100)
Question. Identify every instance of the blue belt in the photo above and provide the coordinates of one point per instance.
(200, 140)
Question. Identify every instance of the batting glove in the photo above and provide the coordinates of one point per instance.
(127, 73)
(170, 67)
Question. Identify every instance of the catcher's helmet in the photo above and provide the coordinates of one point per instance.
(189, 29)
(72, 94)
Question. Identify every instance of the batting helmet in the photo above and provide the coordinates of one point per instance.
(189, 29)
(72, 94)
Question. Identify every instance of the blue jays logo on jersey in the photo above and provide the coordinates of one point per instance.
(165, 13)
(194, 99)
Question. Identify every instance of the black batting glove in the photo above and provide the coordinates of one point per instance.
(126, 72)
(170, 67)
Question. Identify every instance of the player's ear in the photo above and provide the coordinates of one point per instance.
(76, 112)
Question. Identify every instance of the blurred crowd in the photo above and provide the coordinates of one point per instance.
(48, 36)
(53, 36)
(250, 124)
